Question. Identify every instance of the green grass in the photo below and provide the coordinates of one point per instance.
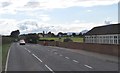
(5, 48)
(0, 57)
(75, 39)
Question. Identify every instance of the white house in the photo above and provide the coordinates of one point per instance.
(108, 34)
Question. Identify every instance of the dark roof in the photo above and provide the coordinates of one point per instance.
(103, 30)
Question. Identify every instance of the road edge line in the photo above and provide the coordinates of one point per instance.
(7, 59)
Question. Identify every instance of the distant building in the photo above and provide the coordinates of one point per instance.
(40, 35)
(108, 34)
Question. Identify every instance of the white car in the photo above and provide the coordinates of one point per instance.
(22, 42)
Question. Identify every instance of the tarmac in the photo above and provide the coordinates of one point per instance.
(105, 57)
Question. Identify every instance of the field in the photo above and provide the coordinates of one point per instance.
(75, 39)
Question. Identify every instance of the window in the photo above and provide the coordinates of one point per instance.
(115, 41)
(119, 41)
(111, 41)
(115, 37)
(111, 37)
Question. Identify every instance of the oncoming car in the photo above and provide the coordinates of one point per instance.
(22, 42)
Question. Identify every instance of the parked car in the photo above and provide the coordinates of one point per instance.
(22, 42)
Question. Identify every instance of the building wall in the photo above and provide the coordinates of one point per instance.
(103, 39)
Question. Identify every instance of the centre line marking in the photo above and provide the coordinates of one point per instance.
(55, 53)
(29, 51)
(25, 48)
(37, 57)
(67, 57)
(75, 61)
(88, 66)
(60, 55)
(49, 68)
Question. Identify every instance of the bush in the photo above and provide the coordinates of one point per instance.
(51, 40)
(67, 40)
(31, 38)
(7, 39)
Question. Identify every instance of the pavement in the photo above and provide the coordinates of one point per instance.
(34, 57)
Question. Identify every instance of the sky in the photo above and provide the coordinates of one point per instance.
(36, 16)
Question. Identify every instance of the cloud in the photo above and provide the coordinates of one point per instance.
(32, 4)
(33, 26)
(70, 3)
(40, 16)
(7, 25)
(29, 5)
(44, 18)
(5, 4)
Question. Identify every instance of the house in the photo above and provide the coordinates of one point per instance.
(108, 34)
(40, 35)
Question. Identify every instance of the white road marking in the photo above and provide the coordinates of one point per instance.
(55, 53)
(49, 68)
(67, 57)
(61, 55)
(75, 61)
(7, 60)
(25, 48)
(37, 57)
(88, 66)
(29, 51)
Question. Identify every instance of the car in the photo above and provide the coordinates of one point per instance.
(22, 42)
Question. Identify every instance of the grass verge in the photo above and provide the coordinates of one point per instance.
(0, 57)
(5, 48)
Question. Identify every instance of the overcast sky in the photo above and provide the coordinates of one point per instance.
(55, 15)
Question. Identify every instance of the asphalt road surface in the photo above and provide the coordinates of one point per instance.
(34, 57)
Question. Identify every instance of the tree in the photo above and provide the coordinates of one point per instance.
(80, 34)
(32, 38)
(65, 34)
(49, 33)
(43, 33)
(15, 33)
(73, 34)
(60, 34)
(53, 35)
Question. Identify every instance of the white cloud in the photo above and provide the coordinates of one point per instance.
(31, 25)
(45, 18)
(14, 6)
(26, 5)
(39, 16)
(7, 25)
(70, 3)
(77, 27)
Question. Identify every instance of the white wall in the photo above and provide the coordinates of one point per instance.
(104, 39)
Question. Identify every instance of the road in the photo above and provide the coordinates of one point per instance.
(34, 57)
